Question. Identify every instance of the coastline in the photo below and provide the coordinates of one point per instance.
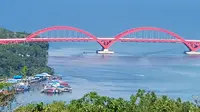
(25, 59)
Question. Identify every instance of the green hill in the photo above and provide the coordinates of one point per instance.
(14, 57)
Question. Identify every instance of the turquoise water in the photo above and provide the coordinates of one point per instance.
(162, 68)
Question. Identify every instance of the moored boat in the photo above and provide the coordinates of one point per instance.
(50, 90)
(64, 89)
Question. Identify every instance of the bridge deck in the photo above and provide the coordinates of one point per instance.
(90, 39)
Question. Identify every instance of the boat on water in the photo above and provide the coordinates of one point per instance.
(64, 89)
(50, 90)
(56, 78)
(58, 84)
(22, 88)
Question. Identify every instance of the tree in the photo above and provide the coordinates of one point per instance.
(92, 102)
(24, 70)
(25, 58)
(4, 85)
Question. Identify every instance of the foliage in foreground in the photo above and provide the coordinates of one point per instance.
(92, 102)
(7, 96)
(14, 57)
(4, 85)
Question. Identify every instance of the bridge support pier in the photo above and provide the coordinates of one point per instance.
(104, 51)
(193, 53)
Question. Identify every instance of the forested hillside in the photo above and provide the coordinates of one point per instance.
(14, 57)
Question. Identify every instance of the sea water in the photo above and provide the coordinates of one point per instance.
(163, 68)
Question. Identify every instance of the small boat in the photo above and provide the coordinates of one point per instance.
(22, 88)
(56, 78)
(69, 90)
(64, 89)
(50, 90)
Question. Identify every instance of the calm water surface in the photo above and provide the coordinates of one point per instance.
(162, 68)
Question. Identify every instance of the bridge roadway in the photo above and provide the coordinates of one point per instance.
(101, 41)
(13, 40)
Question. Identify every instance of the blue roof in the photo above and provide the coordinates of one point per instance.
(17, 77)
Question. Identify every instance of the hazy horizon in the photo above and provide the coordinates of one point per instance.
(102, 18)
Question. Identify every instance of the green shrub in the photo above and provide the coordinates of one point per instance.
(92, 102)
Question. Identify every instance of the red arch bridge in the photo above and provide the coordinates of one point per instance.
(72, 34)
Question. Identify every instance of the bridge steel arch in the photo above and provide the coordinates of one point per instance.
(133, 30)
(60, 28)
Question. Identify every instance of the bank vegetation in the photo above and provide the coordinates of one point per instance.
(14, 57)
(92, 102)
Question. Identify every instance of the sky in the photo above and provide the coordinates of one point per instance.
(102, 17)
